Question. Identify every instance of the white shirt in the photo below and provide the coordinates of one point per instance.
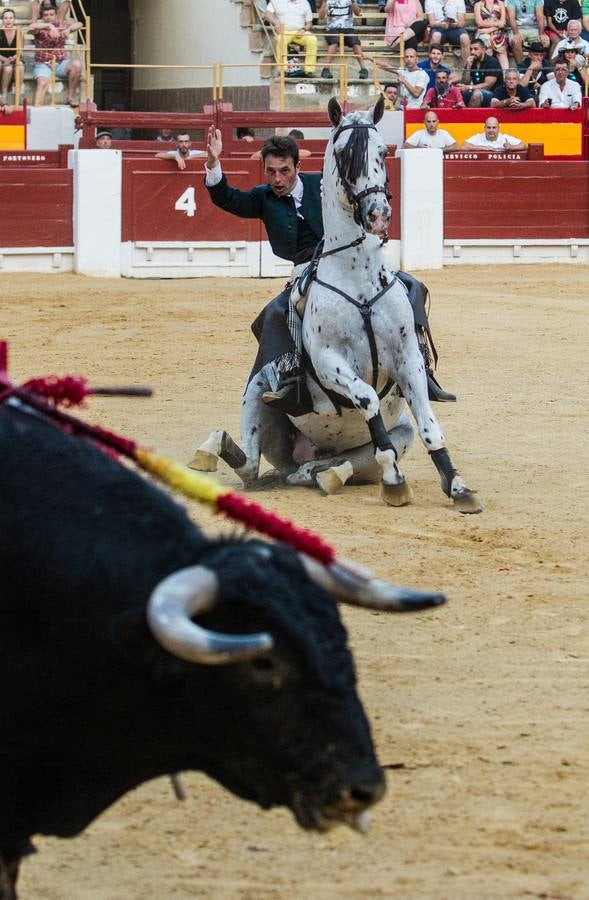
(417, 78)
(479, 140)
(423, 140)
(293, 14)
(175, 154)
(560, 99)
(452, 9)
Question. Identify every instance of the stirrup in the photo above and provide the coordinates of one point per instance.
(291, 396)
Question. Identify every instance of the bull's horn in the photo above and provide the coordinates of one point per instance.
(190, 592)
(358, 587)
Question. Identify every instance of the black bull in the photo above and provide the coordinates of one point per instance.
(92, 705)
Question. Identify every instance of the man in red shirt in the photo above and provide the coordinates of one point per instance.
(444, 95)
(50, 37)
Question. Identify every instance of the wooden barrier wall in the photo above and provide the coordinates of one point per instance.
(519, 199)
(162, 203)
(37, 207)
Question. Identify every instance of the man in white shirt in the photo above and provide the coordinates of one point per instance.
(293, 20)
(447, 19)
(573, 37)
(414, 81)
(560, 92)
(431, 137)
(182, 153)
(492, 139)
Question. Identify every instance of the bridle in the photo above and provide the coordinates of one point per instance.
(354, 199)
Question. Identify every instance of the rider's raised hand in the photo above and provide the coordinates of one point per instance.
(214, 146)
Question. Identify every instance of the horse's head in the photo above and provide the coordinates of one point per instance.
(359, 166)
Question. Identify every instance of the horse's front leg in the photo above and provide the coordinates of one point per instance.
(411, 378)
(337, 375)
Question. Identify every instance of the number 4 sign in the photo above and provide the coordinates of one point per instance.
(186, 202)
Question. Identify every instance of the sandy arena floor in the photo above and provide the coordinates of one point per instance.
(481, 709)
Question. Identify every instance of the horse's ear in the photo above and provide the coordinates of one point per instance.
(378, 111)
(334, 111)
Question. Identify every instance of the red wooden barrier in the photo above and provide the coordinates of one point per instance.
(516, 200)
(40, 210)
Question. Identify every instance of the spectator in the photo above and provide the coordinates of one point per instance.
(560, 92)
(511, 94)
(534, 69)
(7, 51)
(490, 17)
(61, 7)
(339, 20)
(492, 139)
(293, 20)
(433, 64)
(297, 135)
(525, 19)
(558, 13)
(444, 95)
(574, 63)
(447, 21)
(573, 38)
(182, 152)
(165, 134)
(404, 18)
(50, 37)
(413, 81)
(120, 134)
(480, 76)
(245, 134)
(431, 137)
(390, 92)
(103, 140)
(585, 19)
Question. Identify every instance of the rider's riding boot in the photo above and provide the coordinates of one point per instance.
(291, 395)
(435, 391)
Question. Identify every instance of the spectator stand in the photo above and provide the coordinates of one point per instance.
(559, 130)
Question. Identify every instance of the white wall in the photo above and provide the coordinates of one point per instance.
(189, 32)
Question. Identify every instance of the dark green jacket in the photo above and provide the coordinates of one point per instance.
(278, 215)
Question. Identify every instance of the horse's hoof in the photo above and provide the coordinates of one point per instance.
(204, 461)
(397, 494)
(331, 480)
(468, 502)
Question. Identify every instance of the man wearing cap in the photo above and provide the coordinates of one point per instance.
(561, 92)
(535, 69)
(103, 140)
(492, 139)
(182, 153)
(525, 19)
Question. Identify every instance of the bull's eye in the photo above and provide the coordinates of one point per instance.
(263, 663)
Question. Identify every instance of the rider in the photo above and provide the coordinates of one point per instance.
(289, 205)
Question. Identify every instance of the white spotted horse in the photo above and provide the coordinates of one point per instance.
(363, 363)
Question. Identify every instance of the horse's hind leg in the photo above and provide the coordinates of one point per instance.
(338, 375)
(356, 466)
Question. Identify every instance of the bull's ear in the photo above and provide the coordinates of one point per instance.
(334, 112)
(378, 111)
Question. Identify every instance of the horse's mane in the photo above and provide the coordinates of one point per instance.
(352, 160)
